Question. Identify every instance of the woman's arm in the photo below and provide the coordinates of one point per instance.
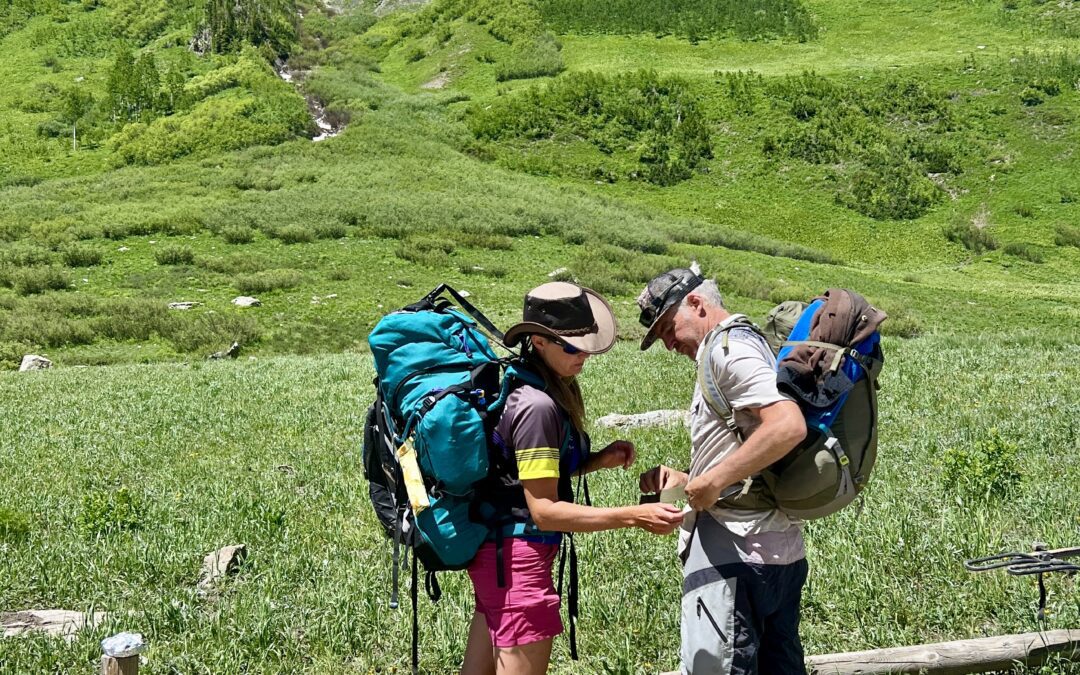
(616, 454)
(542, 497)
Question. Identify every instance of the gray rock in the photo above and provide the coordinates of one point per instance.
(34, 362)
(231, 353)
(123, 645)
(654, 418)
(220, 563)
(183, 305)
(246, 301)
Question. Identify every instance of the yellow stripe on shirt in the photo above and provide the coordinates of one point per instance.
(537, 463)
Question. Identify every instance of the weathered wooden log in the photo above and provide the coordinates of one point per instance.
(959, 657)
(953, 658)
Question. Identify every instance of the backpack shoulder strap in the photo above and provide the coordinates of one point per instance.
(710, 390)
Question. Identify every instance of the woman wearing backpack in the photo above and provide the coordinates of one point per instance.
(543, 430)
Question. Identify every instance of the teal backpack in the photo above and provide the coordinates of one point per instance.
(436, 479)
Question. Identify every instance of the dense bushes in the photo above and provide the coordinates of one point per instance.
(693, 19)
(174, 255)
(655, 120)
(269, 280)
(974, 235)
(51, 321)
(883, 142)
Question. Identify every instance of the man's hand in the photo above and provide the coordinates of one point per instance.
(661, 478)
(658, 518)
(702, 492)
(616, 454)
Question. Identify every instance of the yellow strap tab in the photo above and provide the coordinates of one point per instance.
(414, 482)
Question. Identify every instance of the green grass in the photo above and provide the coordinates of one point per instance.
(179, 441)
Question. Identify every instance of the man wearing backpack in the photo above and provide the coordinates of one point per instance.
(743, 569)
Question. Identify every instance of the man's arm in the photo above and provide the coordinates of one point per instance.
(782, 428)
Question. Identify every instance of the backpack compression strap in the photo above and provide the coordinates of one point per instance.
(468, 307)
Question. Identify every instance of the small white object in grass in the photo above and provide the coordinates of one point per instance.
(465, 294)
(246, 301)
(34, 362)
(123, 644)
(123, 248)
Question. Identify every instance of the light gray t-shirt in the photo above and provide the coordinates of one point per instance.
(746, 375)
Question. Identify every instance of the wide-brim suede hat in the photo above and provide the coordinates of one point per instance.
(568, 313)
(662, 294)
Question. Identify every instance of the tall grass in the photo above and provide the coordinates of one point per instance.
(151, 467)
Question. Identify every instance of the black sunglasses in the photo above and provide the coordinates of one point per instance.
(567, 348)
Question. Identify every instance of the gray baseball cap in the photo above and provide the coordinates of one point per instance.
(660, 295)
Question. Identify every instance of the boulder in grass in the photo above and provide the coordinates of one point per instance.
(654, 418)
(183, 305)
(34, 362)
(246, 301)
(221, 563)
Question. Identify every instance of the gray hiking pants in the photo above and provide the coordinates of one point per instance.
(738, 618)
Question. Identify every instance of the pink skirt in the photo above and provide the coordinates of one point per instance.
(527, 609)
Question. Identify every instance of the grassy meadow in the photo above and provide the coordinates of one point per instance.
(144, 479)
(922, 153)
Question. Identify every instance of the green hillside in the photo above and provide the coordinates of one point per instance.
(155, 152)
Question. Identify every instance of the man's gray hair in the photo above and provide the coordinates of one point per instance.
(708, 290)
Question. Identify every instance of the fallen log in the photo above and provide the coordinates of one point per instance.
(953, 658)
(959, 657)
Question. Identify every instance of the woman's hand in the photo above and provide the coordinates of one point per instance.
(661, 478)
(616, 454)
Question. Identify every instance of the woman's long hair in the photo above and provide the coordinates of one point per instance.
(563, 390)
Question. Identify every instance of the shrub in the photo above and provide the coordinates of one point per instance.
(1031, 96)
(1067, 235)
(293, 234)
(270, 280)
(211, 331)
(25, 255)
(237, 234)
(893, 189)
(691, 19)
(643, 117)
(233, 264)
(330, 231)
(535, 58)
(14, 525)
(494, 271)
(972, 236)
(174, 255)
(902, 325)
(1025, 251)
(81, 255)
(486, 240)
(34, 280)
(990, 468)
(1024, 210)
(428, 250)
(106, 511)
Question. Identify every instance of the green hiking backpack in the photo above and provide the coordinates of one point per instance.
(832, 465)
